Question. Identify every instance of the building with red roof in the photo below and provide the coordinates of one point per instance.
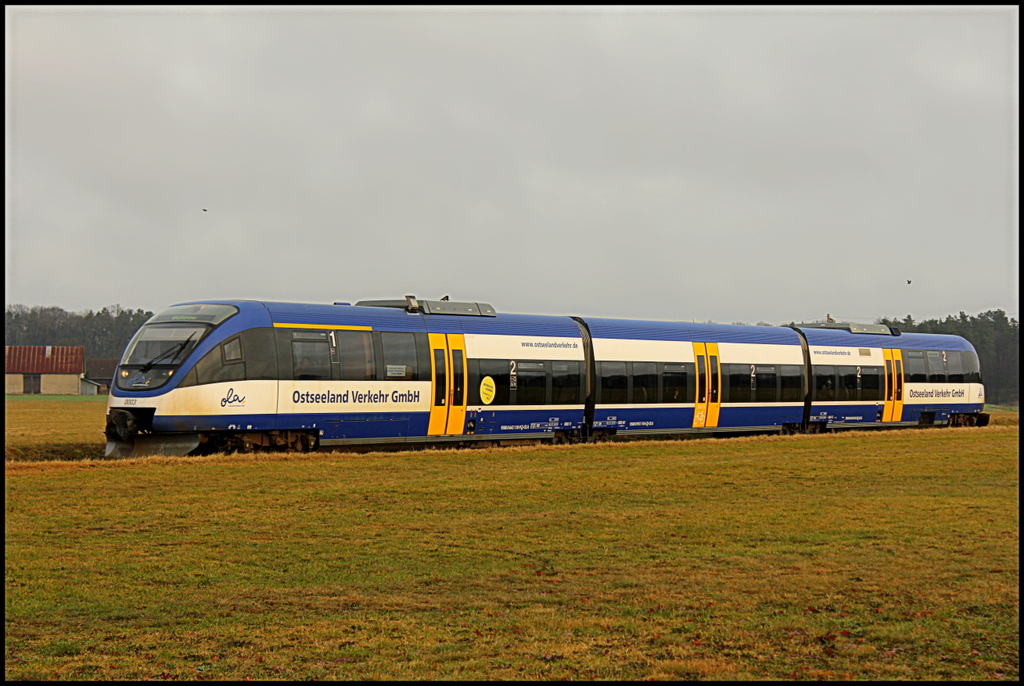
(46, 369)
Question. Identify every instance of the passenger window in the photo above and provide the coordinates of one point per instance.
(612, 380)
(565, 383)
(824, 383)
(740, 382)
(311, 360)
(848, 381)
(532, 387)
(792, 383)
(871, 383)
(954, 366)
(766, 390)
(972, 368)
(645, 382)
(498, 371)
(915, 369)
(676, 383)
(400, 358)
(355, 350)
(936, 366)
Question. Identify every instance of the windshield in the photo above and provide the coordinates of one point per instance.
(164, 342)
(165, 345)
(155, 353)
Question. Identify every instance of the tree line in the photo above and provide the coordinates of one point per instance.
(105, 334)
(995, 337)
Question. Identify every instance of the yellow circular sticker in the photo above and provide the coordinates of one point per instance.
(487, 390)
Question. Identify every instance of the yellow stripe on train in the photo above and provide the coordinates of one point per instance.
(333, 327)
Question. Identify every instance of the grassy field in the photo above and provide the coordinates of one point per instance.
(32, 433)
(54, 427)
(60, 398)
(889, 555)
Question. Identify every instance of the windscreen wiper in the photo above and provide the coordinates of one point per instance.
(176, 349)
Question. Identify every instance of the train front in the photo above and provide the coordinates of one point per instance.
(149, 369)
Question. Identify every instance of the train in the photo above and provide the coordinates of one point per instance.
(245, 375)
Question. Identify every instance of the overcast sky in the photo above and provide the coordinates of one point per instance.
(724, 165)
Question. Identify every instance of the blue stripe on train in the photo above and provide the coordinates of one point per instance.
(348, 425)
(838, 413)
(640, 418)
(740, 415)
(244, 422)
(379, 424)
(513, 421)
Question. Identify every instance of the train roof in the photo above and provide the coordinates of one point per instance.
(390, 318)
(691, 331)
(918, 341)
(393, 317)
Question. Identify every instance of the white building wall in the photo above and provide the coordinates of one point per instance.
(14, 384)
(60, 384)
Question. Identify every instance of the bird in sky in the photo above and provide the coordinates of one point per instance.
(204, 209)
(908, 281)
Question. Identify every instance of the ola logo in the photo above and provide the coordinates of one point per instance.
(487, 390)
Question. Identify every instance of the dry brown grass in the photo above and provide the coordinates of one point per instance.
(867, 556)
(54, 429)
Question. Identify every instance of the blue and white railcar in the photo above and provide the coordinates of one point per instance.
(246, 374)
(526, 377)
(671, 377)
(764, 382)
(868, 374)
(232, 375)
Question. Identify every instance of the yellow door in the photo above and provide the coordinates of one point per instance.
(456, 384)
(890, 386)
(893, 385)
(700, 409)
(897, 408)
(714, 385)
(448, 387)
